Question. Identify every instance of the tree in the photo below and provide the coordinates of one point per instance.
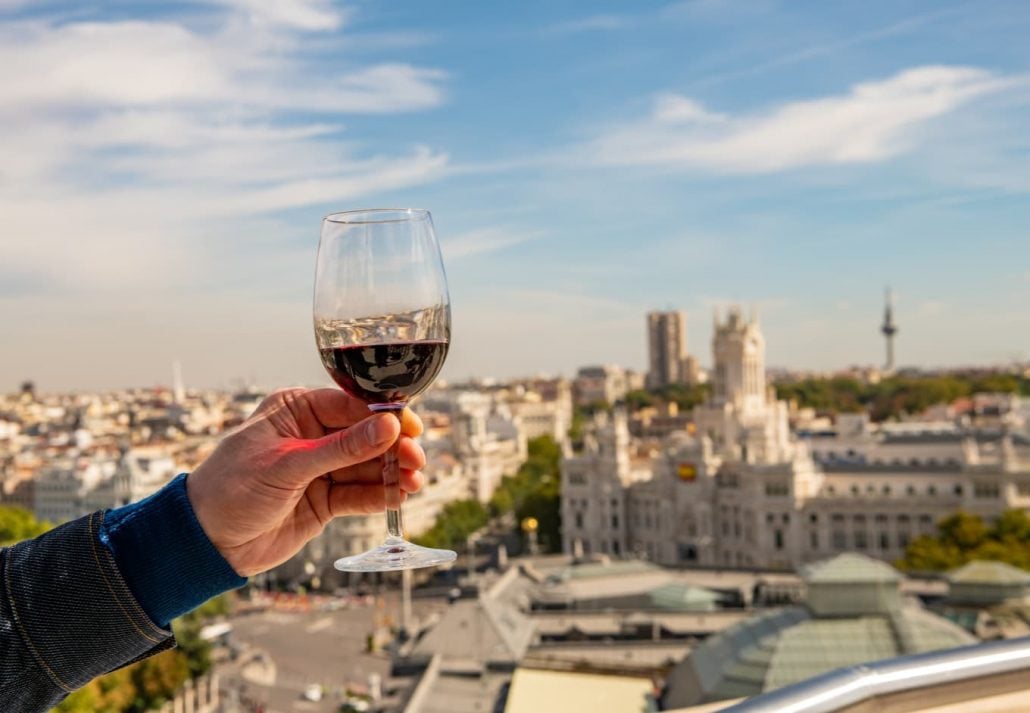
(158, 678)
(535, 491)
(17, 524)
(963, 537)
(454, 524)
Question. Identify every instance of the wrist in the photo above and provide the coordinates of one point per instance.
(165, 555)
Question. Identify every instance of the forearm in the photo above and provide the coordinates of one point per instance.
(66, 616)
(98, 593)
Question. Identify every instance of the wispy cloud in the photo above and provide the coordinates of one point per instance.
(824, 49)
(873, 121)
(592, 23)
(299, 14)
(175, 129)
(486, 240)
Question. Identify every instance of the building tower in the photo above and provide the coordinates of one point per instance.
(738, 349)
(889, 329)
(667, 346)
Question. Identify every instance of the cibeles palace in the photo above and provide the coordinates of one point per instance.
(745, 491)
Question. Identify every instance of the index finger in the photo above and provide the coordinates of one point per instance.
(335, 408)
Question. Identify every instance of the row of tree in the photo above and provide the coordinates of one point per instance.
(897, 395)
(963, 537)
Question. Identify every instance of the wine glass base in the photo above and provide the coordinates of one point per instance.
(395, 554)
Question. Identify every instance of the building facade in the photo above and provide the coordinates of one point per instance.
(667, 347)
(745, 491)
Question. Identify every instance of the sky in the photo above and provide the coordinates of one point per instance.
(164, 168)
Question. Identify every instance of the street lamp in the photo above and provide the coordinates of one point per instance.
(530, 526)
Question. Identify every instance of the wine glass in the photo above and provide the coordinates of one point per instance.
(383, 326)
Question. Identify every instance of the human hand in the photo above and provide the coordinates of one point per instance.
(303, 458)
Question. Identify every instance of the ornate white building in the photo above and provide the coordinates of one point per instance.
(744, 491)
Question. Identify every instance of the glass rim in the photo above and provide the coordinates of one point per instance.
(366, 216)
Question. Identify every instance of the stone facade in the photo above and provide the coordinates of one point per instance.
(745, 491)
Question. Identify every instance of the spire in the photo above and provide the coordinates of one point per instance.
(178, 388)
(889, 329)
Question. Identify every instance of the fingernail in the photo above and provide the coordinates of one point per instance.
(379, 430)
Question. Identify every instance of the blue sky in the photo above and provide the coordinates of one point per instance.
(164, 166)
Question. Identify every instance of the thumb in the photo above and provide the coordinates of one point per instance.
(361, 442)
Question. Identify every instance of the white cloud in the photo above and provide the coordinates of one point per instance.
(872, 122)
(486, 240)
(133, 148)
(162, 64)
(299, 14)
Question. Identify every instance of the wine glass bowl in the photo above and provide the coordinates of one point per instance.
(382, 326)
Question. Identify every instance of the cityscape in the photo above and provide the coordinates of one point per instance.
(684, 556)
(730, 342)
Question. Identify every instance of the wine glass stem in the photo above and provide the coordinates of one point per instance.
(391, 481)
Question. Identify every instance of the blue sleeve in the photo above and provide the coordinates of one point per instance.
(164, 556)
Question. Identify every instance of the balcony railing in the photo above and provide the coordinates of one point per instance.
(908, 683)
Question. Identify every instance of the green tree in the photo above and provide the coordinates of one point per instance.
(17, 524)
(963, 537)
(535, 491)
(84, 700)
(158, 678)
(454, 524)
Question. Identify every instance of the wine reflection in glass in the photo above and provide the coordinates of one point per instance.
(383, 327)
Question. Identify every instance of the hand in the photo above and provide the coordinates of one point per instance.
(302, 459)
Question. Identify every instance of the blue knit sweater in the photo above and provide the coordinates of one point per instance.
(163, 554)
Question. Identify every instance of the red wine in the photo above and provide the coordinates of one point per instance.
(385, 373)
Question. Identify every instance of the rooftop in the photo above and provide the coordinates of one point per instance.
(533, 691)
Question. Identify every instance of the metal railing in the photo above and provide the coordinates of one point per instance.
(838, 690)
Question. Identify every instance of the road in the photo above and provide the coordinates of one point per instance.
(284, 652)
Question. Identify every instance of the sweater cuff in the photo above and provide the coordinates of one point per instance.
(165, 557)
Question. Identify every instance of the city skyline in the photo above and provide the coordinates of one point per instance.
(584, 167)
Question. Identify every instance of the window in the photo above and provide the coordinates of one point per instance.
(778, 538)
(911, 490)
(813, 539)
(925, 519)
(859, 519)
(615, 522)
(579, 520)
(770, 518)
(840, 540)
(931, 490)
(854, 490)
(837, 517)
(1023, 489)
(776, 489)
(886, 490)
(881, 518)
(786, 518)
(902, 540)
(986, 490)
(958, 490)
(615, 547)
(813, 518)
(861, 541)
(884, 541)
